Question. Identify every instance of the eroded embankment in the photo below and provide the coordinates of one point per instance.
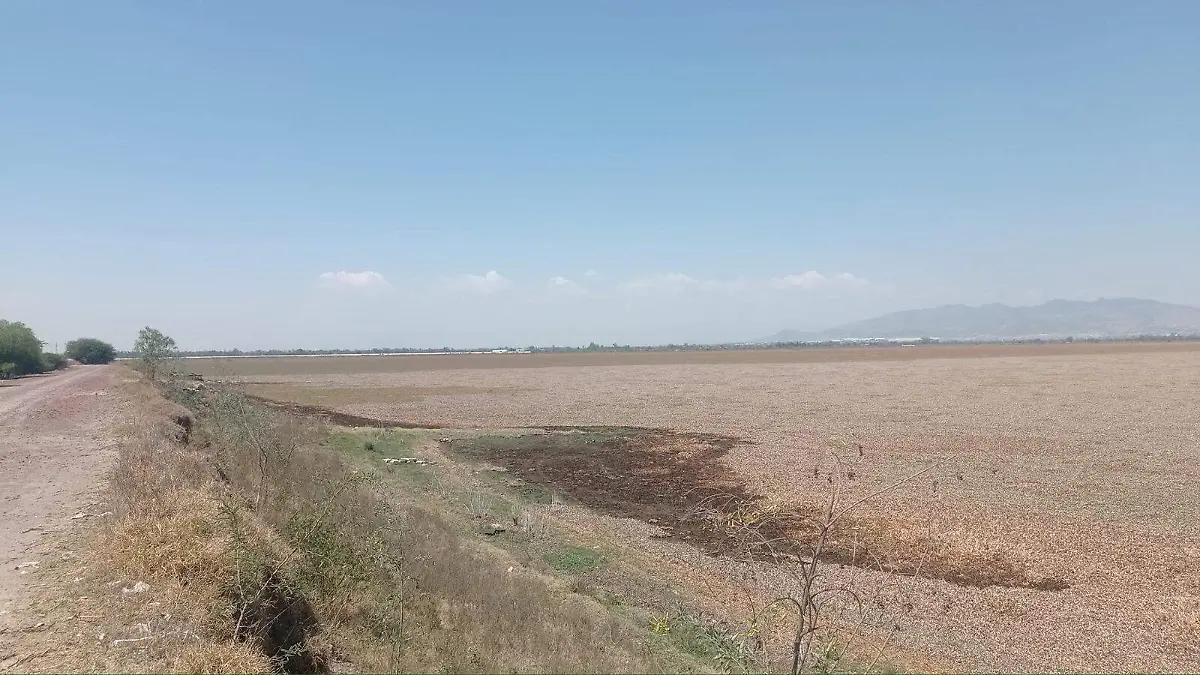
(331, 416)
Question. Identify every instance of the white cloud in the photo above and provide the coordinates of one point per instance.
(591, 274)
(485, 284)
(565, 285)
(846, 279)
(813, 280)
(366, 280)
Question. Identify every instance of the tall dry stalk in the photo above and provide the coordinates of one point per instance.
(771, 533)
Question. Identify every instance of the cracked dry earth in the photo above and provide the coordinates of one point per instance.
(54, 450)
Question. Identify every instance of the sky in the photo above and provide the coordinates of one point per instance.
(356, 174)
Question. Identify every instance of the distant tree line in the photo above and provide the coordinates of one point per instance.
(21, 352)
(686, 346)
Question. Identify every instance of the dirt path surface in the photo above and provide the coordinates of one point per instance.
(53, 451)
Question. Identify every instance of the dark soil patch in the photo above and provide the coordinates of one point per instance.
(678, 482)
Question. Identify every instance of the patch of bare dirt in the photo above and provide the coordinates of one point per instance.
(329, 365)
(53, 451)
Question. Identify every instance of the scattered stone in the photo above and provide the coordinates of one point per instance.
(139, 587)
(27, 566)
(408, 460)
(498, 469)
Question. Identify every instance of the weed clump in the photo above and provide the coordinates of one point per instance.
(574, 559)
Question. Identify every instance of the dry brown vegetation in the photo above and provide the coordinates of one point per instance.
(242, 541)
(1075, 463)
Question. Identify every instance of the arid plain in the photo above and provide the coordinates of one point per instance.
(1067, 474)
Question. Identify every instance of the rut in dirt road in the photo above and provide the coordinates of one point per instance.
(53, 450)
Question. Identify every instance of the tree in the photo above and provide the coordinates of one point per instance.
(20, 350)
(90, 351)
(152, 348)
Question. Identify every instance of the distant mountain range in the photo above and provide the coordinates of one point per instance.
(1107, 317)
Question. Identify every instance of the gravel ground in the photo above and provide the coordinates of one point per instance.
(1083, 465)
(53, 450)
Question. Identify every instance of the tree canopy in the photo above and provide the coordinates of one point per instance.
(90, 351)
(153, 348)
(20, 350)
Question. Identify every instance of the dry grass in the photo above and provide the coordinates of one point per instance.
(255, 536)
(222, 657)
(1080, 464)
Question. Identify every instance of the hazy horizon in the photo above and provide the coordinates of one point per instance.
(277, 175)
(584, 343)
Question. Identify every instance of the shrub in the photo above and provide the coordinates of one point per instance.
(54, 361)
(90, 351)
(8, 371)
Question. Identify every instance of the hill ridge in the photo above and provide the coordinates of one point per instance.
(1104, 317)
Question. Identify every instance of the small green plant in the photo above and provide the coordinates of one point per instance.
(731, 649)
(8, 371)
(660, 624)
(574, 559)
(389, 443)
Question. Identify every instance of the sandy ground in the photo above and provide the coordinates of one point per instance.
(53, 451)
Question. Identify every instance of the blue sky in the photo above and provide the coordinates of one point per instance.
(276, 174)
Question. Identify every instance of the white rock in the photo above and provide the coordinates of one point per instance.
(139, 587)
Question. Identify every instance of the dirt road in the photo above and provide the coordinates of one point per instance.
(53, 451)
